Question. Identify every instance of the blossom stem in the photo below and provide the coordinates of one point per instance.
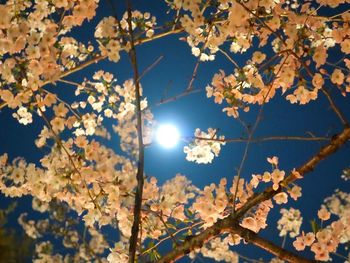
(249, 259)
(284, 241)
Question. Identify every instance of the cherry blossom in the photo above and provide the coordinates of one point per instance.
(290, 222)
(287, 47)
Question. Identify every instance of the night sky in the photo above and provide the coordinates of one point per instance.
(171, 77)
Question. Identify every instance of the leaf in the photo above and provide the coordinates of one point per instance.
(171, 226)
(150, 244)
(314, 226)
(154, 255)
(188, 213)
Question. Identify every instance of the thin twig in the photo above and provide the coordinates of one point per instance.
(249, 259)
(65, 103)
(150, 67)
(284, 241)
(172, 236)
(176, 97)
(195, 70)
(229, 58)
(334, 16)
(69, 82)
(194, 74)
(340, 255)
(251, 133)
(335, 108)
(263, 139)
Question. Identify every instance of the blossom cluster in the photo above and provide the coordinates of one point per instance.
(300, 39)
(290, 222)
(97, 184)
(35, 50)
(210, 207)
(327, 239)
(115, 101)
(111, 34)
(219, 250)
(204, 147)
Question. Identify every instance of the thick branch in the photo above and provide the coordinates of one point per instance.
(227, 224)
(224, 226)
(221, 226)
(307, 167)
(267, 245)
(140, 162)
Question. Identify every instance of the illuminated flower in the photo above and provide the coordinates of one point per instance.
(323, 214)
(290, 222)
(337, 77)
(281, 198)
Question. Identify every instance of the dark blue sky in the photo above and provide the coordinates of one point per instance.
(196, 111)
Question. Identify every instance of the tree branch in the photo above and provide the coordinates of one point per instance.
(335, 108)
(227, 224)
(264, 139)
(267, 245)
(176, 97)
(140, 162)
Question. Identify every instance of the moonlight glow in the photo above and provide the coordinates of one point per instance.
(167, 135)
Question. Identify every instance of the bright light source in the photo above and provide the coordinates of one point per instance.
(167, 135)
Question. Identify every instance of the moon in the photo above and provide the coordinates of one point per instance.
(167, 135)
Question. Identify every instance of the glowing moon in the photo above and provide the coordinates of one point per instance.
(167, 135)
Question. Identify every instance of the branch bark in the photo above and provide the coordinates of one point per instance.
(229, 223)
(140, 162)
(267, 245)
